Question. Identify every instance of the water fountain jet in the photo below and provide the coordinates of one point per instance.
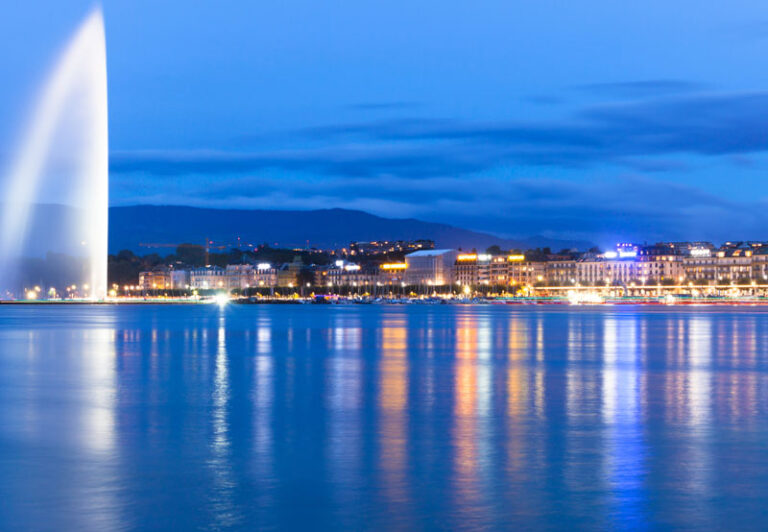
(63, 160)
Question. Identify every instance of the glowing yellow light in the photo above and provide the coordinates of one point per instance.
(394, 266)
(467, 256)
(515, 258)
(31, 294)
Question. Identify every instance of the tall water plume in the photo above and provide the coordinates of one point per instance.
(53, 225)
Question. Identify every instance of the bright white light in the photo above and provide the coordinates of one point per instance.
(610, 254)
(581, 298)
(221, 299)
(264, 266)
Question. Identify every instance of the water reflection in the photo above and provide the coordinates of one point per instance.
(465, 412)
(366, 417)
(224, 512)
(393, 400)
(263, 398)
(344, 399)
(624, 445)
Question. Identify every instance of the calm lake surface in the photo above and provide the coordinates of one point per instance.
(382, 417)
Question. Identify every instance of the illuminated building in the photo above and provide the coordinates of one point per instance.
(392, 273)
(526, 273)
(430, 267)
(560, 272)
(208, 278)
(343, 273)
(238, 276)
(264, 275)
(473, 269)
(288, 274)
(157, 279)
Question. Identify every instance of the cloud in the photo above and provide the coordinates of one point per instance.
(624, 134)
(494, 176)
(701, 124)
(358, 160)
(641, 89)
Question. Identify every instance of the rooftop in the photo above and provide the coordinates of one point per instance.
(430, 252)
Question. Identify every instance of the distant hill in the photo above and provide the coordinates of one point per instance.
(146, 228)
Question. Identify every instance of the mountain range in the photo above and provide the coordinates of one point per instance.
(144, 228)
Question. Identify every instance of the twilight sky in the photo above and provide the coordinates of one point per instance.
(595, 119)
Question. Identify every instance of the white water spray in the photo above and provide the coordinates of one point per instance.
(68, 129)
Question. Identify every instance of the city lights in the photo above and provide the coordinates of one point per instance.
(394, 266)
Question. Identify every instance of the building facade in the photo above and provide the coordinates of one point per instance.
(430, 267)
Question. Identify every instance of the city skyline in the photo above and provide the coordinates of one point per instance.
(469, 120)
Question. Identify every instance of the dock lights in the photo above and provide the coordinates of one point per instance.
(31, 295)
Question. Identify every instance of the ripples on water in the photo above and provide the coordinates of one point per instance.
(382, 417)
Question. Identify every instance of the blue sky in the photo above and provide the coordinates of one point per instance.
(595, 119)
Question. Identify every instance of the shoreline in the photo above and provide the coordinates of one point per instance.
(516, 302)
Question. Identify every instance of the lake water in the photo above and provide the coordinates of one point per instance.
(382, 417)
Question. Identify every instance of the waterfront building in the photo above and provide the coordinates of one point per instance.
(264, 275)
(288, 274)
(207, 278)
(391, 273)
(493, 271)
(157, 279)
(760, 265)
(466, 269)
(560, 272)
(526, 272)
(347, 274)
(726, 265)
(482, 269)
(734, 265)
(179, 278)
(238, 276)
(433, 267)
(164, 278)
